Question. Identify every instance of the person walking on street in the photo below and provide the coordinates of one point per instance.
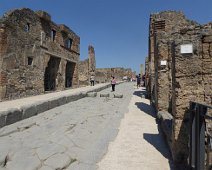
(113, 83)
(92, 80)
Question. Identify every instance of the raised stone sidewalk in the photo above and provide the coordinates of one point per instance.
(139, 144)
(16, 110)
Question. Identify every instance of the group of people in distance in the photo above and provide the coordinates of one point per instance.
(113, 81)
(138, 77)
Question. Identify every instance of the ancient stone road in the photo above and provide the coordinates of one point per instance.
(76, 136)
(72, 136)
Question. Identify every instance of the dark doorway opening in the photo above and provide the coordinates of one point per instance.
(69, 74)
(51, 74)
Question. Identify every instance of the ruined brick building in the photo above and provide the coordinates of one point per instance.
(36, 55)
(87, 67)
(175, 78)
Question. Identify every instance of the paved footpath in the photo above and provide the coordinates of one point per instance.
(138, 145)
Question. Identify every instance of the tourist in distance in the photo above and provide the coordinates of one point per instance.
(92, 79)
(138, 80)
(113, 83)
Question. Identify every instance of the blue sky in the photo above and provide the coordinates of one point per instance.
(118, 29)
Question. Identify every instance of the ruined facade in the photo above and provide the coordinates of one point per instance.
(36, 55)
(87, 67)
(104, 74)
(174, 78)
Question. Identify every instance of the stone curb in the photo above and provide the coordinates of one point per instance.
(25, 111)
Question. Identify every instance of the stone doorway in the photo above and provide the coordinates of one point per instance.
(70, 67)
(51, 74)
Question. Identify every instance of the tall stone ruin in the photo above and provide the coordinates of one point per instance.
(36, 55)
(87, 67)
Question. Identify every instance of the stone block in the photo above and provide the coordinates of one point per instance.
(118, 95)
(74, 97)
(62, 101)
(13, 115)
(104, 95)
(166, 120)
(28, 111)
(42, 106)
(53, 103)
(58, 161)
(92, 94)
(84, 93)
(207, 39)
(2, 119)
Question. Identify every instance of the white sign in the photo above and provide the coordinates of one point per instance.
(186, 49)
(163, 63)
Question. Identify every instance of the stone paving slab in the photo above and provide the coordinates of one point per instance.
(19, 109)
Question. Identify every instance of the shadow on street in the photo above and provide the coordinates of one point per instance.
(139, 93)
(157, 140)
(146, 108)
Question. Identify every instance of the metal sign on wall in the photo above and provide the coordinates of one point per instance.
(186, 49)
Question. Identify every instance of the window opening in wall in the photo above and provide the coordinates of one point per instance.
(69, 43)
(160, 25)
(27, 27)
(29, 60)
(53, 35)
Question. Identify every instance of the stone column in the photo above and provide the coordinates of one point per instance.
(92, 60)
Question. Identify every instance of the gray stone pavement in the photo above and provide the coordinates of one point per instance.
(73, 136)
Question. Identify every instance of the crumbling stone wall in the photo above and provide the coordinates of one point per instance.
(160, 53)
(183, 78)
(192, 81)
(87, 67)
(104, 74)
(36, 55)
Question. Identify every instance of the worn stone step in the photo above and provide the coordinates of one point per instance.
(104, 95)
(118, 95)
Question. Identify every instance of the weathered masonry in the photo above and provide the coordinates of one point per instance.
(36, 55)
(179, 70)
(104, 74)
(87, 67)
